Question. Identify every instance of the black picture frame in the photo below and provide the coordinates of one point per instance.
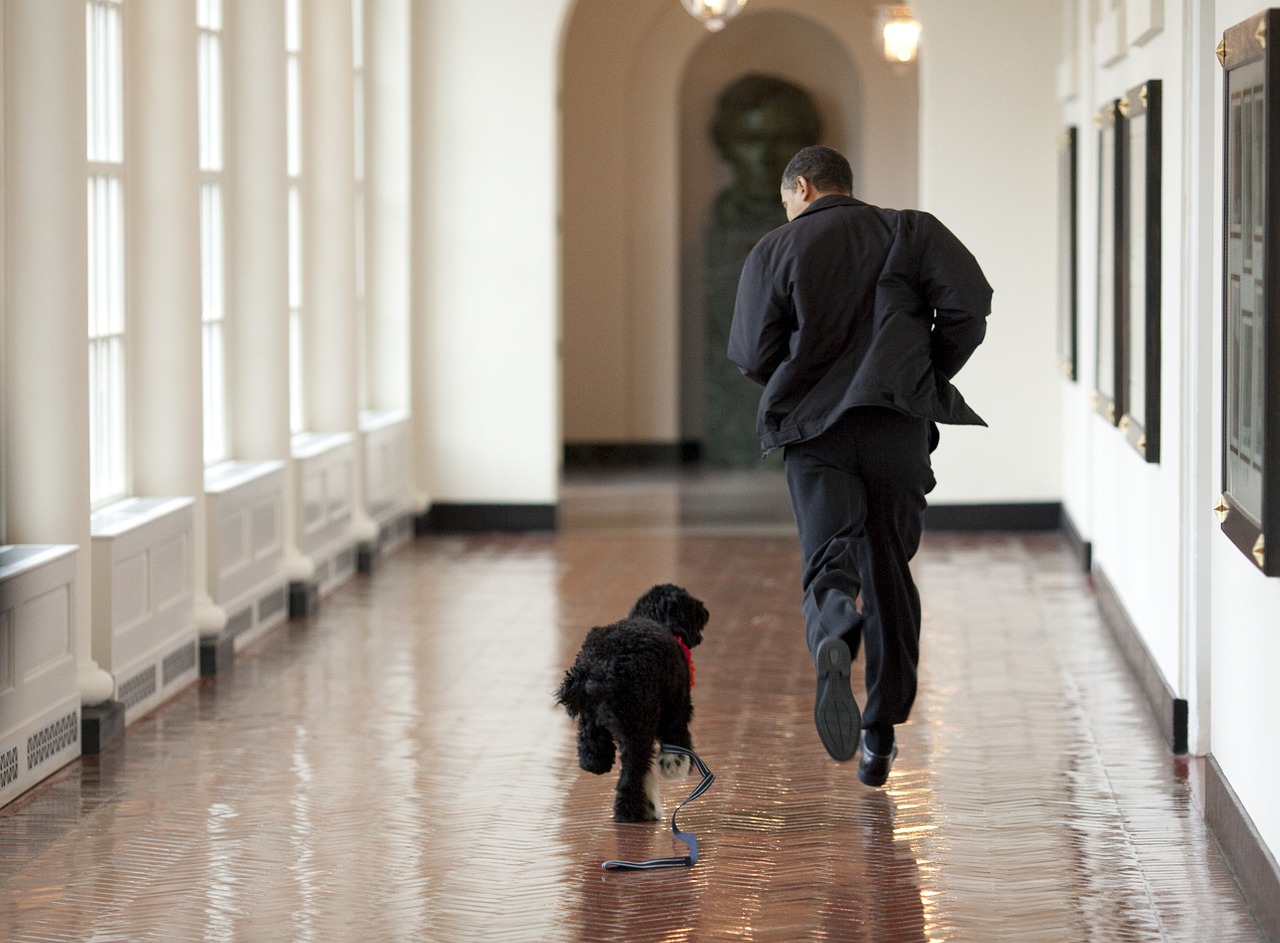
(1109, 347)
(1068, 353)
(1249, 507)
(1138, 386)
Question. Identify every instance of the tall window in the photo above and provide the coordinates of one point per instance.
(105, 101)
(212, 244)
(293, 126)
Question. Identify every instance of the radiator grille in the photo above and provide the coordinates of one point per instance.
(178, 662)
(242, 621)
(8, 767)
(138, 688)
(55, 738)
(272, 603)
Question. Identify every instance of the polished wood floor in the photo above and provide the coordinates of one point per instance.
(394, 768)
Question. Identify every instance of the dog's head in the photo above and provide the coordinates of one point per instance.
(671, 606)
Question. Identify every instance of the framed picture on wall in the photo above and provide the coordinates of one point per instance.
(1249, 507)
(1068, 252)
(1111, 263)
(1139, 390)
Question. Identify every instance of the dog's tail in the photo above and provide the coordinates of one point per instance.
(575, 691)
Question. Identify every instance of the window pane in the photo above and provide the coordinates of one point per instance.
(293, 119)
(292, 26)
(210, 83)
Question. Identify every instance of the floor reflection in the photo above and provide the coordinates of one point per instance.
(395, 768)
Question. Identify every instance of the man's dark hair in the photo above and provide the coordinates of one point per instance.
(824, 167)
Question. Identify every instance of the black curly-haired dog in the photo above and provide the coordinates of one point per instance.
(629, 686)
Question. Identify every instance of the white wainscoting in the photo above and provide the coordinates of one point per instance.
(244, 505)
(144, 625)
(324, 465)
(39, 698)
(388, 483)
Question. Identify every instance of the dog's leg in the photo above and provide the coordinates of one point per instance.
(674, 729)
(637, 798)
(652, 793)
(595, 747)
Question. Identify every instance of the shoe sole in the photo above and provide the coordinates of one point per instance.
(835, 712)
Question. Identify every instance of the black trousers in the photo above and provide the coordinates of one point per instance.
(858, 492)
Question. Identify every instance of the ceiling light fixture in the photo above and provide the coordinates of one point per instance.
(713, 14)
(901, 33)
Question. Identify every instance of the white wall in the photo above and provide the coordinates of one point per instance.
(485, 264)
(1208, 617)
(988, 171)
(1245, 605)
(1127, 507)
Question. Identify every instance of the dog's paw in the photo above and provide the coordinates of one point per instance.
(674, 765)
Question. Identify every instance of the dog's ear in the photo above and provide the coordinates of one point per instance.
(673, 607)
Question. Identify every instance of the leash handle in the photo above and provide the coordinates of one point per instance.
(691, 840)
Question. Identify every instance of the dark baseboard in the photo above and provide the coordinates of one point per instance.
(478, 518)
(367, 555)
(595, 455)
(217, 654)
(1037, 516)
(1169, 711)
(304, 598)
(101, 726)
(1083, 549)
(1253, 865)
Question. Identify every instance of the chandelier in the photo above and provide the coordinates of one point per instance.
(713, 14)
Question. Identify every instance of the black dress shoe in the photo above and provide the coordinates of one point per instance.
(835, 712)
(873, 768)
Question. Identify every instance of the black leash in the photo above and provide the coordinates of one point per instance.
(685, 861)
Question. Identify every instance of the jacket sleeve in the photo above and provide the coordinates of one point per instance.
(759, 336)
(954, 286)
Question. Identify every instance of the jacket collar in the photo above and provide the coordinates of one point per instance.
(828, 201)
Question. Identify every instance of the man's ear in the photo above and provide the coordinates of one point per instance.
(804, 188)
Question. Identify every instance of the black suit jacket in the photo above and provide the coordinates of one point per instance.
(853, 305)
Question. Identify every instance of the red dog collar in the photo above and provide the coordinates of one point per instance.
(688, 656)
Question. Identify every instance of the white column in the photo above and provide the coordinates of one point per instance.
(46, 394)
(422, 138)
(329, 340)
(257, 228)
(328, 214)
(163, 219)
(387, 194)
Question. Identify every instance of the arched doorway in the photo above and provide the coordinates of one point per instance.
(638, 174)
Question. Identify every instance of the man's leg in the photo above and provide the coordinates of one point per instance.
(830, 507)
(830, 510)
(894, 452)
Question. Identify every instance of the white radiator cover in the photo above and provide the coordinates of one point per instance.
(144, 628)
(244, 506)
(388, 483)
(39, 698)
(324, 466)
